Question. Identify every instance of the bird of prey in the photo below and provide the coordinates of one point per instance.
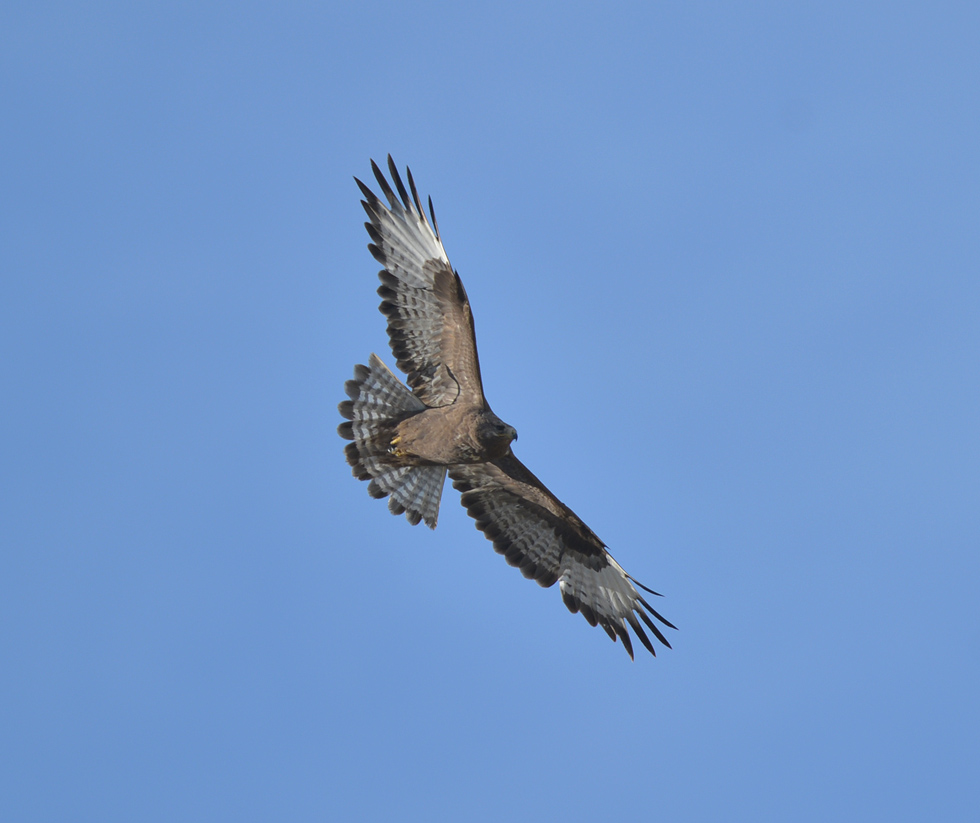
(405, 439)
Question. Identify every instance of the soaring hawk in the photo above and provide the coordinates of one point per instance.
(405, 439)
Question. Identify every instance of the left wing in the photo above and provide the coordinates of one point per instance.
(547, 541)
(430, 323)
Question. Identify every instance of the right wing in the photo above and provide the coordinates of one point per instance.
(548, 542)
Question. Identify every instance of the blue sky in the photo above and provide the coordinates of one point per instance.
(725, 268)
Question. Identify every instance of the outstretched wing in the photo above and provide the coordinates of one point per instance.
(545, 539)
(430, 325)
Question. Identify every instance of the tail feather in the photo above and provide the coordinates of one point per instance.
(378, 401)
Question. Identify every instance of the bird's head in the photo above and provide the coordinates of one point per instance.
(495, 435)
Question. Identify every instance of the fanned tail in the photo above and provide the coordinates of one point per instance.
(378, 401)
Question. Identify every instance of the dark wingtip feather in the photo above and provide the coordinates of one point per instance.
(638, 583)
(374, 234)
(653, 627)
(625, 637)
(435, 223)
(657, 614)
(379, 175)
(415, 195)
(369, 195)
(398, 182)
(640, 633)
(371, 209)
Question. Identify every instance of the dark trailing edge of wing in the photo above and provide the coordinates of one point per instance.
(511, 553)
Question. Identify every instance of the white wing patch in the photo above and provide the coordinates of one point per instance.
(408, 243)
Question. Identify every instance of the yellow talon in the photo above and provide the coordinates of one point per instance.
(393, 447)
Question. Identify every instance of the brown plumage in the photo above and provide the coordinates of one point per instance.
(406, 439)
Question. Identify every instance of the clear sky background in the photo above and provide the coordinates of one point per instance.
(725, 266)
